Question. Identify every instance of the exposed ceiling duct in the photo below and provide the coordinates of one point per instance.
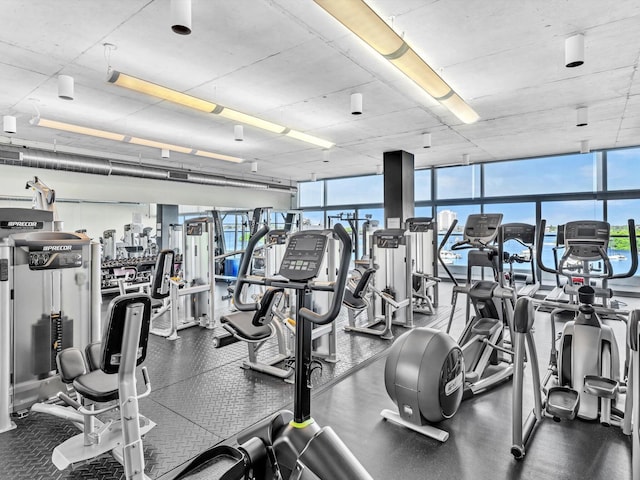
(97, 166)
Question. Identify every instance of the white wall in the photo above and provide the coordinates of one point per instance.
(124, 196)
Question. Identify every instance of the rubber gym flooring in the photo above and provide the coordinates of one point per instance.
(201, 397)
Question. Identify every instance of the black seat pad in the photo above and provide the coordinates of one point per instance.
(242, 324)
(351, 301)
(97, 386)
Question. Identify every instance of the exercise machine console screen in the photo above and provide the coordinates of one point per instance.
(482, 228)
(303, 256)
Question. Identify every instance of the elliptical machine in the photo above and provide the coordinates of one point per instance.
(290, 445)
(583, 377)
(427, 374)
(490, 325)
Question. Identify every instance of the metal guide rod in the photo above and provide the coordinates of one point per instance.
(5, 339)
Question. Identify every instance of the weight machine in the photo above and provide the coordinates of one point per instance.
(424, 282)
(49, 299)
(391, 286)
(188, 298)
(367, 227)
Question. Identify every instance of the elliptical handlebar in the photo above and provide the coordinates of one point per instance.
(441, 246)
(539, 245)
(634, 251)
(338, 286)
(245, 261)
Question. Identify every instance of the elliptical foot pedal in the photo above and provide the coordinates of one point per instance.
(563, 403)
(485, 327)
(220, 461)
(602, 387)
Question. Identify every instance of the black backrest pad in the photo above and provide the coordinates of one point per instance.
(267, 302)
(92, 354)
(115, 328)
(164, 265)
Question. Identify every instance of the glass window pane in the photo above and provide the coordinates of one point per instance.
(355, 190)
(312, 220)
(559, 213)
(422, 185)
(618, 213)
(620, 163)
(514, 212)
(236, 230)
(558, 174)
(310, 194)
(373, 216)
(424, 212)
(339, 216)
(458, 182)
(456, 261)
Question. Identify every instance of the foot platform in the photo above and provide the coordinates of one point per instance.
(602, 387)
(563, 403)
(485, 327)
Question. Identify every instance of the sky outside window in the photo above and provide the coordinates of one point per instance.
(540, 175)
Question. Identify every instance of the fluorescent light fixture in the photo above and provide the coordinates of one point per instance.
(164, 93)
(71, 128)
(309, 139)
(358, 17)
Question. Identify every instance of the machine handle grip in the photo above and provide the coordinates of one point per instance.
(338, 285)
(634, 251)
(147, 384)
(539, 246)
(243, 279)
(442, 245)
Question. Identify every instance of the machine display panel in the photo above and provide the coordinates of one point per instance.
(303, 256)
(194, 229)
(305, 244)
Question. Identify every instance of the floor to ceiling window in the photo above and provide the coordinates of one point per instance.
(600, 185)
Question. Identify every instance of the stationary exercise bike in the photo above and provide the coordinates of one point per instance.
(290, 445)
(583, 376)
(427, 374)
